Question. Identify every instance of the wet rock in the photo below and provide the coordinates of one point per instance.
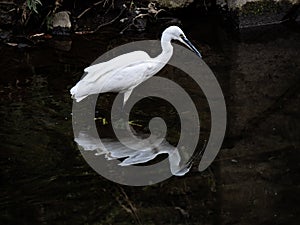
(61, 23)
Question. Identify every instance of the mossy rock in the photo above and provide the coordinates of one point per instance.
(174, 4)
(262, 7)
(263, 12)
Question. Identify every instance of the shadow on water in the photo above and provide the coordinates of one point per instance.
(254, 179)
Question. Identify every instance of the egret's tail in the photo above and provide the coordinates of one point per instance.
(76, 95)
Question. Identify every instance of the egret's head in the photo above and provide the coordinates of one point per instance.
(175, 33)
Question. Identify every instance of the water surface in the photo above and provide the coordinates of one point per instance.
(255, 178)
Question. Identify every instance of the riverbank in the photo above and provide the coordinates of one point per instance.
(28, 19)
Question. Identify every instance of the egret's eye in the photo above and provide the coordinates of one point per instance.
(181, 36)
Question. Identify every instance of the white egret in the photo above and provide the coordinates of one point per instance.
(125, 72)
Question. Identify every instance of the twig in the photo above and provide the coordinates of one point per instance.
(88, 9)
(112, 3)
(129, 25)
(160, 10)
(8, 3)
(132, 207)
(44, 20)
(51, 12)
(133, 20)
(102, 25)
(125, 203)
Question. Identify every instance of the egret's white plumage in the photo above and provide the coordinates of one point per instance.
(125, 72)
(116, 150)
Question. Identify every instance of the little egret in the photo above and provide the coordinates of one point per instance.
(125, 72)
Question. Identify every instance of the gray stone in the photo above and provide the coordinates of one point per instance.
(61, 19)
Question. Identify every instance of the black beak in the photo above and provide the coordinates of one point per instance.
(191, 46)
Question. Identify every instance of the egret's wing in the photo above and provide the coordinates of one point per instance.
(123, 79)
(101, 77)
(98, 70)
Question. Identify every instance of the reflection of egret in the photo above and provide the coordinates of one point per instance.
(125, 72)
(116, 150)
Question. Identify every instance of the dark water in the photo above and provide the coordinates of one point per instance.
(255, 178)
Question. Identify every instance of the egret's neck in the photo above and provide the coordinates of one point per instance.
(167, 51)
